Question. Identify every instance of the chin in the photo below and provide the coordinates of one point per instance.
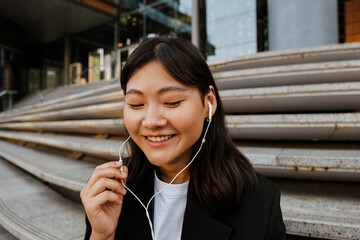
(157, 161)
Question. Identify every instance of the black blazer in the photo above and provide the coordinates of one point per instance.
(257, 217)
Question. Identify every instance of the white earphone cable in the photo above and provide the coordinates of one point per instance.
(148, 204)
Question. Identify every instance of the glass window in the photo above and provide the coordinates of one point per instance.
(169, 18)
(160, 18)
(231, 31)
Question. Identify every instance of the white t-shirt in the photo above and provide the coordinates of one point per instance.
(169, 209)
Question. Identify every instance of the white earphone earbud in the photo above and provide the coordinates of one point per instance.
(210, 111)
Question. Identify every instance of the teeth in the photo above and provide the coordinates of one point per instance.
(159, 139)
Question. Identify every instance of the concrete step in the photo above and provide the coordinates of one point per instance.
(321, 209)
(5, 235)
(313, 127)
(63, 92)
(310, 127)
(32, 98)
(336, 52)
(94, 146)
(31, 107)
(32, 211)
(297, 74)
(296, 98)
(58, 170)
(92, 126)
(105, 110)
(322, 161)
(331, 162)
(99, 98)
(312, 97)
(82, 102)
(302, 98)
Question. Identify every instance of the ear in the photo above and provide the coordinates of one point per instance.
(211, 98)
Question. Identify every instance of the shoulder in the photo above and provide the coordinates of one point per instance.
(256, 213)
(266, 188)
(262, 199)
(259, 200)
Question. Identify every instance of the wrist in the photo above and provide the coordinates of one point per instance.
(96, 236)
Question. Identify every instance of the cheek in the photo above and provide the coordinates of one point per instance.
(130, 121)
(189, 122)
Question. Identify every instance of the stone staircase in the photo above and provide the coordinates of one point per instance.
(49, 96)
(294, 113)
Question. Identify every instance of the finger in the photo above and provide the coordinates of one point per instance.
(105, 172)
(112, 164)
(125, 169)
(106, 184)
(107, 196)
(125, 173)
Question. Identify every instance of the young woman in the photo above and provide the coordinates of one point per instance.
(170, 98)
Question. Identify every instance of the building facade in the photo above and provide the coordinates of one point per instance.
(44, 44)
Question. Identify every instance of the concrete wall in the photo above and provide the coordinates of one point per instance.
(302, 23)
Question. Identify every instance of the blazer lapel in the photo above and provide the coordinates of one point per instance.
(133, 223)
(199, 224)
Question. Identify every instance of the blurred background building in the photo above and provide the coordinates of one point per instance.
(44, 44)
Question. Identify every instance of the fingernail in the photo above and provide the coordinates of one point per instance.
(118, 163)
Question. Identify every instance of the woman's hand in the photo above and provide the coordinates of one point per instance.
(102, 198)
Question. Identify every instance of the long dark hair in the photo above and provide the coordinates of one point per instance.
(220, 173)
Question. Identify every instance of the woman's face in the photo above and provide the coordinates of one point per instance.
(163, 116)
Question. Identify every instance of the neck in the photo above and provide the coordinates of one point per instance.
(167, 176)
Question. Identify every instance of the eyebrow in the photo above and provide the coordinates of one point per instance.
(134, 91)
(161, 91)
(171, 88)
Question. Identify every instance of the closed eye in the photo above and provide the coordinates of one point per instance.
(135, 105)
(173, 104)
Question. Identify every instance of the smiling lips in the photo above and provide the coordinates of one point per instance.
(159, 138)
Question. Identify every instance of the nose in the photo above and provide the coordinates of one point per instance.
(153, 119)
